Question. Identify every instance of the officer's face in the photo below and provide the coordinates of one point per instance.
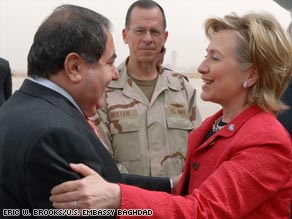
(145, 35)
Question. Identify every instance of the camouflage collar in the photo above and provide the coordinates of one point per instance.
(166, 78)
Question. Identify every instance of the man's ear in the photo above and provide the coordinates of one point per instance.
(72, 66)
(165, 34)
(124, 34)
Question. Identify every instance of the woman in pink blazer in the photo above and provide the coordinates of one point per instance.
(239, 160)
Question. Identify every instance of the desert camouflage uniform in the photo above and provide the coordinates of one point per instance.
(148, 138)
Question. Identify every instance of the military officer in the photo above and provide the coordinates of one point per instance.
(147, 113)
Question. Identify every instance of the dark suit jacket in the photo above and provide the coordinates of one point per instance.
(41, 132)
(286, 117)
(5, 81)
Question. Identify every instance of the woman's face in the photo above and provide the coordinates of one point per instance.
(221, 73)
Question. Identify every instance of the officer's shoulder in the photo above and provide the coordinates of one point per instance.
(177, 74)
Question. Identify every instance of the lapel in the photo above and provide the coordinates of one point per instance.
(164, 82)
(196, 137)
(227, 131)
(128, 87)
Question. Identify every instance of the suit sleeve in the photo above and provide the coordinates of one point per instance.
(148, 182)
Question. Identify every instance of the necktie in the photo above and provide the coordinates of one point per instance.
(92, 125)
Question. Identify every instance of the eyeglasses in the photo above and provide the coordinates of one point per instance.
(143, 32)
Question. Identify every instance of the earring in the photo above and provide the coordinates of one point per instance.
(245, 84)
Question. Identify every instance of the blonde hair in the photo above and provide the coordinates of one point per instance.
(264, 45)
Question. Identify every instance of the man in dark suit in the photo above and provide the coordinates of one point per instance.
(286, 117)
(5, 81)
(43, 125)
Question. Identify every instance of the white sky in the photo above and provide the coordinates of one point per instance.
(19, 21)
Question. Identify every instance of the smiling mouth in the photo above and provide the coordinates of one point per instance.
(206, 81)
